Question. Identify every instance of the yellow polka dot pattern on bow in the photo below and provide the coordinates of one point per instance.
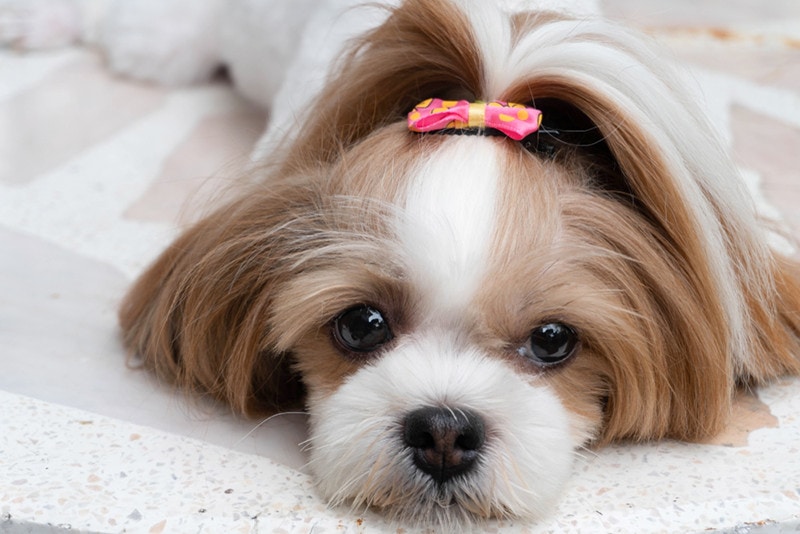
(514, 120)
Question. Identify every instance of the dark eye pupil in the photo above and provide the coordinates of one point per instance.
(361, 329)
(552, 343)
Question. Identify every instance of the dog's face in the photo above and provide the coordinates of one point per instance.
(459, 314)
(448, 351)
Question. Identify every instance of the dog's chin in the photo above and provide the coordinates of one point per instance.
(360, 458)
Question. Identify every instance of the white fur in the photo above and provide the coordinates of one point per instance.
(448, 221)
(356, 433)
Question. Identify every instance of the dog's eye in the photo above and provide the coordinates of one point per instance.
(361, 329)
(550, 344)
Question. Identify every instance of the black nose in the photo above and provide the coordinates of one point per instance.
(444, 442)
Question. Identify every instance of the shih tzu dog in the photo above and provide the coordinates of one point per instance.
(494, 237)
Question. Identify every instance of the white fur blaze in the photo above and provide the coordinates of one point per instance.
(448, 221)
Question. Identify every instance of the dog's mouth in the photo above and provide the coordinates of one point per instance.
(437, 475)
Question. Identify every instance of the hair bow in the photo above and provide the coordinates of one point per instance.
(513, 120)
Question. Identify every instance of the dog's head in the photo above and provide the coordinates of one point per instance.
(460, 313)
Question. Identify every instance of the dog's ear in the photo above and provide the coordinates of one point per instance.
(731, 312)
(199, 315)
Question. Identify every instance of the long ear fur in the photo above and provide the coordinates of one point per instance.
(199, 315)
(675, 173)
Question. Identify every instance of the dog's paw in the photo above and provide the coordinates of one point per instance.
(38, 24)
(171, 42)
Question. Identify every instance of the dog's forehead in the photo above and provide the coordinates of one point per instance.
(472, 209)
(447, 220)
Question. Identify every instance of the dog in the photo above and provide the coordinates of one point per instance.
(461, 305)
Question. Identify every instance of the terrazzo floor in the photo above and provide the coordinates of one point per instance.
(91, 191)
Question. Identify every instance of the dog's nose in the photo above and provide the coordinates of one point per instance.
(444, 442)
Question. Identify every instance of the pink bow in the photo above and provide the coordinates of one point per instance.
(514, 120)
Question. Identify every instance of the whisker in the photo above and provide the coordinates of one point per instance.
(263, 422)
